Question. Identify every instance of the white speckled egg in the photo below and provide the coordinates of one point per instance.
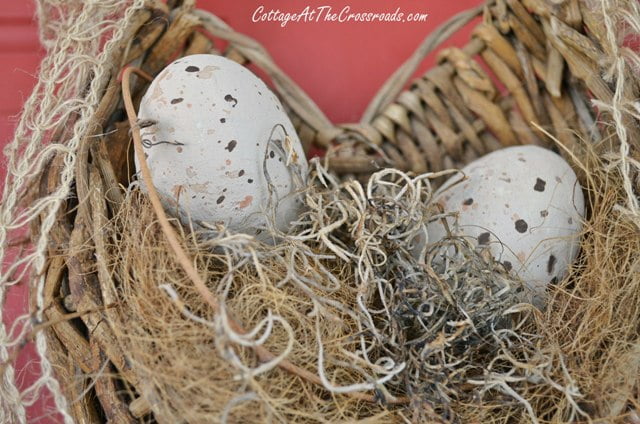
(525, 204)
(213, 125)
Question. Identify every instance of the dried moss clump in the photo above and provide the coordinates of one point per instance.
(347, 297)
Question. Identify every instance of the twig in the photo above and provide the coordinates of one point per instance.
(31, 334)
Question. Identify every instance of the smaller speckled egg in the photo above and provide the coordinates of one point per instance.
(525, 205)
(221, 147)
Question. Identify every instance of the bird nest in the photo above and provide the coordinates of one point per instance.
(346, 317)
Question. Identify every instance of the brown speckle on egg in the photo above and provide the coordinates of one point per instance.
(220, 200)
(241, 173)
(199, 188)
(544, 213)
(522, 159)
(250, 180)
(231, 145)
(179, 149)
(507, 265)
(271, 154)
(539, 185)
(229, 98)
(192, 69)
(558, 180)
(521, 226)
(223, 120)
(551, 264)
(245, 202)
(207, 72)
(570, 221)
(176, 100)
(484, 238)
(554, 280)
(468, 202)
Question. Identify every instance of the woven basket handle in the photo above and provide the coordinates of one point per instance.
(397, 81)
(295, 96)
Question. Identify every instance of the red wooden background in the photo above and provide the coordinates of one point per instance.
(340, 66)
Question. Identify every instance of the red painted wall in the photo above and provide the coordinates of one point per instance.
(340, 65)
(19, 57)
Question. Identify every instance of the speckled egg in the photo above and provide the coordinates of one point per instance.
(214, 139)
(525, 205)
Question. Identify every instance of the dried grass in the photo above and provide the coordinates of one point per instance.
(343, 296)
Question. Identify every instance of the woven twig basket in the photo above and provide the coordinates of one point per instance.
(544, 54)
